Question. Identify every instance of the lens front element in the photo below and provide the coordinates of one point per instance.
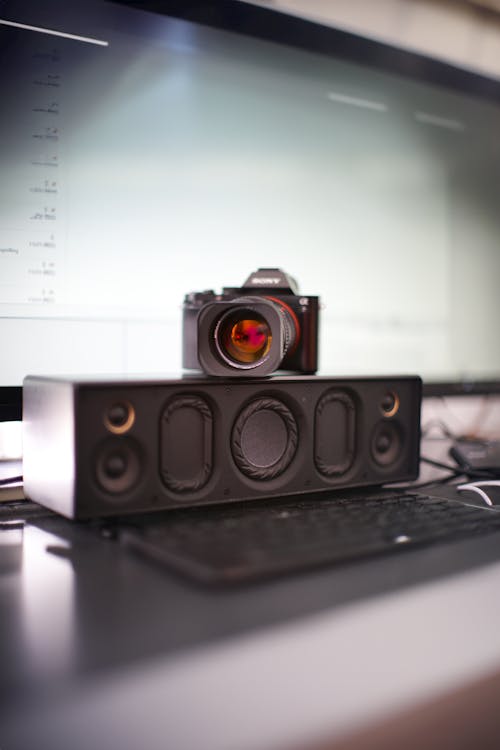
(244, 337)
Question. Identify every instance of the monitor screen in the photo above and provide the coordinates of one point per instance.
(145, 156)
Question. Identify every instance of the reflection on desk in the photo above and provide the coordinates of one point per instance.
(99, 647)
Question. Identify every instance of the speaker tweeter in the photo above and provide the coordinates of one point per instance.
(389, 404)
(119, 417)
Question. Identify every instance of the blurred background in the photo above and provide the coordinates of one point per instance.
(154, 169)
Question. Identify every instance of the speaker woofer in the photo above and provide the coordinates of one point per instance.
(264, 439)
(118, 465)
(386, 443)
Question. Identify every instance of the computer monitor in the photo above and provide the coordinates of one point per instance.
(145, 155)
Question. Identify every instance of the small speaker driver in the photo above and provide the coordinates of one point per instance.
(119, 417)
(386, 443)
(118, 465)
(389, 404)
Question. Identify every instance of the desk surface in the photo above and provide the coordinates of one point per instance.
(99, 643)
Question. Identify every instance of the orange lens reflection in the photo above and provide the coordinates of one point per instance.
(247, 340)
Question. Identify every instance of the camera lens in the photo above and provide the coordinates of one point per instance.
(244, 337)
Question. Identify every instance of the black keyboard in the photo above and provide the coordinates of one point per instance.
(250, 541)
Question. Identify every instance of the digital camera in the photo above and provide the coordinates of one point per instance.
(253, 330)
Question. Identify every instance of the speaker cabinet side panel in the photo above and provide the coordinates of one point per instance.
(49, 453)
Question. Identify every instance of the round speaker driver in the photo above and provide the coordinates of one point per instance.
(264, 438)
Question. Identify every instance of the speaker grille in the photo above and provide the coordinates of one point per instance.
(264, 439)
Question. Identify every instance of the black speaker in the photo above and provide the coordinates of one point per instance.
(98, 448)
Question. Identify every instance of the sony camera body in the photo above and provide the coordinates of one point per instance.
(253, 330)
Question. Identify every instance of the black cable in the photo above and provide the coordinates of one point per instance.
(438, 464)
(10, 480)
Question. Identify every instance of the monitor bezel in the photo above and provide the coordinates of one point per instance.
(11, 403)
(276, 25)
